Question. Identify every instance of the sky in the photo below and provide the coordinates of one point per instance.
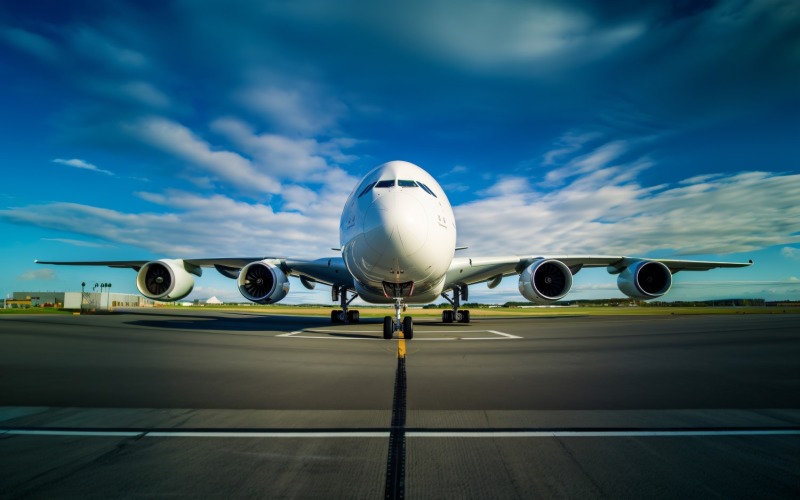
(152, 129)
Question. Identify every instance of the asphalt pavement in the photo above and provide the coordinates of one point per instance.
(195, 403)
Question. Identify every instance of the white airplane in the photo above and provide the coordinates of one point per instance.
(398, 242)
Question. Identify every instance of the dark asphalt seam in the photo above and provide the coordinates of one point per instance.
(396, 461)
(580, 467)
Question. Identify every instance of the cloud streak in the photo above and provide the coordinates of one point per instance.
(76, 163)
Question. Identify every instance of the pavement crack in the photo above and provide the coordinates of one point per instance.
(62, 473)
(580, 467)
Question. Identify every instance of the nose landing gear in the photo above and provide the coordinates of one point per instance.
(392, 325)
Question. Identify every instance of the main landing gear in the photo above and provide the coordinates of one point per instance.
(454, 315)
(343, 315)
(392, 325)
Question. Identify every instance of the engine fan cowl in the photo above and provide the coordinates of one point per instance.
(263, 282)
(165, 279)
(645, 280)
(545, 281)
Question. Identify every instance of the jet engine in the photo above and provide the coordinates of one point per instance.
(166, 279)
(263, 282)
(545, 281)
(645, 280)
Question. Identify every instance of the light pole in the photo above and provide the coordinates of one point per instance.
(83, 297)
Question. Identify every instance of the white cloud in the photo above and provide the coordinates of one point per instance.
(296, 107)
(94, 46)
(82, 165)
(300, 160)
(791, 252)
(32, 43)
(566, 145)
(227, 166)
(78, 243)
(38, 275)
(276, 154)
(535, 38)
(602, 212)
(598, 158)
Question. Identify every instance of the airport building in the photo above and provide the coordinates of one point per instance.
(72, 300)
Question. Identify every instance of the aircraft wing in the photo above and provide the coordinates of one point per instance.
(329, 271)
(467, 271)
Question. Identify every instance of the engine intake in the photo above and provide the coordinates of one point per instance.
(166, 279)
(263, 282)
(545, 281)
(645, 280)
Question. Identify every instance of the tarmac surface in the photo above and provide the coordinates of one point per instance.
(209, 404)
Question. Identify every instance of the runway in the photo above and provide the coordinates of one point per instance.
(195, 403)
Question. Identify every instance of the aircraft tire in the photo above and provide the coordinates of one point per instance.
(447, 316)
(408, 328)
(465, 316)
(388, 327)
(353, 316)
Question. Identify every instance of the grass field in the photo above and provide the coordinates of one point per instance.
(378, 312)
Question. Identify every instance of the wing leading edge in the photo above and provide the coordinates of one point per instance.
(330, 271)
(468, 271)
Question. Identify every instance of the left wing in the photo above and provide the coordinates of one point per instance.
(264, 279)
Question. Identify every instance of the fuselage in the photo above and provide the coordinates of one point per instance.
(398, 235)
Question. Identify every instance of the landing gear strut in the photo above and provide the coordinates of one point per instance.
(392, 325)
(343, 315)
(449, 316)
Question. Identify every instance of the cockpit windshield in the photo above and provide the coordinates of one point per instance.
(366, 189)
(406, 183)
(385, 183)
(427, 189)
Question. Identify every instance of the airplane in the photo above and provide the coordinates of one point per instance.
(397, 238)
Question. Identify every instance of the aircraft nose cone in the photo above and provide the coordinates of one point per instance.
(396, 222)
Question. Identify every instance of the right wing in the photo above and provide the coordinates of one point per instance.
(546, 279)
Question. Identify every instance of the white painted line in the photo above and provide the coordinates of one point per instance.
(256, 434)
(508, 335)
(33, 432)
(301, 334)
(410, 434)
(550, 434)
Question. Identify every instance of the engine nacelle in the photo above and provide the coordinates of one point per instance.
(545, 281)
(263, 282)
(166, 279)
(645, 280)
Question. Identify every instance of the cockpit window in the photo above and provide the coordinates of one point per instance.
(366, 190)
(427, 189)
(385, 184)
(406, 184)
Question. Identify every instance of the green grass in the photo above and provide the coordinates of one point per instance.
(499, 312)
(35, 310)
(378, 312)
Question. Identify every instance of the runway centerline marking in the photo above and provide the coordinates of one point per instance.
(358, 335)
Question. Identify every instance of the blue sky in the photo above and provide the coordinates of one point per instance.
(228, 128)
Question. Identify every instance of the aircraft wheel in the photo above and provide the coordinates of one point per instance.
(388, 327)
(408, 328)
(464, 316)
(353, 317)
(447, 316)
(335, 316)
